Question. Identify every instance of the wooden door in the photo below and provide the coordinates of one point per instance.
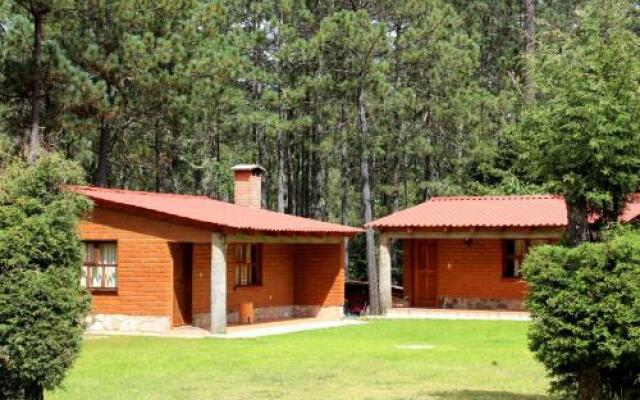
(182, 254)
(425, 274)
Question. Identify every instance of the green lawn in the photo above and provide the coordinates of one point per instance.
(444, 360)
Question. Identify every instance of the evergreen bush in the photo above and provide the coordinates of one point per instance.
(42, 305)
(585, 305)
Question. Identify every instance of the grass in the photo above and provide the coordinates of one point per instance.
(440, 360)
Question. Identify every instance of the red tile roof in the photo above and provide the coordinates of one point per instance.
(206, 212)
(632, 211)
(480, 211)
(489, 212)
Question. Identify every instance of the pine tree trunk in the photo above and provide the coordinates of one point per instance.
(174, 165)
(372, 269)
(282, 172)
(214, 154)
(395, 184)
(590, 384)
(430, 175)
(304, 177)
(395, 207)
(260, 139)
(291, 190)
(530, 47)
(317, 204)
(344, 196)
(156, 150)
(36, 91)
(104, 144)
(579, 230)
(34, 392)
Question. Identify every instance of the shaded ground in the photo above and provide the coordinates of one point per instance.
(486, 395)
(406, 359)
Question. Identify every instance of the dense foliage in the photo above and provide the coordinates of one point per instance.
(585, 304)
(167, 95)
(583, 134)
(42, 306)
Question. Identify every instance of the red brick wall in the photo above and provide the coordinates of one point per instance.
(247, 189)
(145, 265)
(292, 274)
(201, 302)
(277, 285)
(475, 271)
(319, 275)
(277, 279)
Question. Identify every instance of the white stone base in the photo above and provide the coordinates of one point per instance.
(277, 312)
(156, 324)
(333, 312)
(201, 320)
(452, 314)
(463, 303)
(128, 323)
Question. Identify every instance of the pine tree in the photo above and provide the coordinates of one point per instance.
(350, 42)
(584, 135)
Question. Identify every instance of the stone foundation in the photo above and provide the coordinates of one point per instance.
(128, 323)
(154, 324)
(202, 321)
(465, 303)
(334, 312)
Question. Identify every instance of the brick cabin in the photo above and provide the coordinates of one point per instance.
(466, 252)
(157, 261)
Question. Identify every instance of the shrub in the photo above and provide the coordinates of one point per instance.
(585, 305)
(42, 306)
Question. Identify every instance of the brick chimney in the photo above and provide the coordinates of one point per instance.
(247, 189)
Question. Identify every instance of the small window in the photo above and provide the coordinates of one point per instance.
(514, 252)
(248, 264)
(99, 267)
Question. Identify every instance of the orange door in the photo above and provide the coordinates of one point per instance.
(425, 275)
(182, 254)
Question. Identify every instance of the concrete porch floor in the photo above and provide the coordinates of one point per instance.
(454, 314)
(259, 329)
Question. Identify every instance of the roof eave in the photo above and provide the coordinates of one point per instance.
(387, 228)
(229, 229)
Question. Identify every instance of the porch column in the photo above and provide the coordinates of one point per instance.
(384, 273)
(218, 283)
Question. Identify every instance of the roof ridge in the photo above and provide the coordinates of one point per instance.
(495, 197)
(144, 192)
